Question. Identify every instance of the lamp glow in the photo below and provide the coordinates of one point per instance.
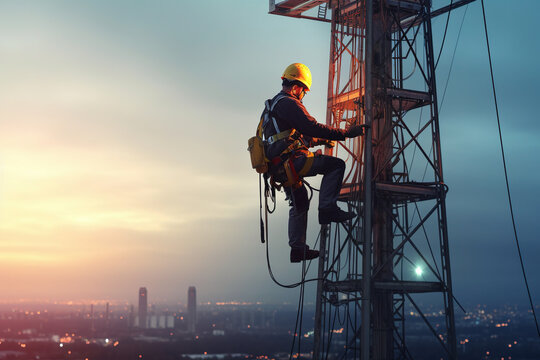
(418, 271)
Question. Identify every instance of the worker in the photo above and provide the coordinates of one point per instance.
(288, 117)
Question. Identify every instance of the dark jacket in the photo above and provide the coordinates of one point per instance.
(290, 113)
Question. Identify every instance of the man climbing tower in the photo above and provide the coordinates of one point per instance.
(290, 131)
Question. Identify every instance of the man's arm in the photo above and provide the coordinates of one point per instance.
(298, 117)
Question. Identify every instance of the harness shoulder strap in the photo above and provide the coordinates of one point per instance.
(269, 108)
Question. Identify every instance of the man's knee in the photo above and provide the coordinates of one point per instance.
(336, 164)
(340, 164)
(333, 163)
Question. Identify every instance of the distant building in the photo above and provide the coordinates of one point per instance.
(192, 309)
(153, 321)
(143, 307)
(107, 316)
(92, 325)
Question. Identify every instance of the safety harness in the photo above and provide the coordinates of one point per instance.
(279, 167)
(287, 156)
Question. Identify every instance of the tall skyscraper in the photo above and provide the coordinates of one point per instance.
(92, 326)
(107, 316)
(192, 309)
(143, 307)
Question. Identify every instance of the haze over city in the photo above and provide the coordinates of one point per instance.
(123, 135)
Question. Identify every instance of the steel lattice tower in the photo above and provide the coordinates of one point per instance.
(382, 73)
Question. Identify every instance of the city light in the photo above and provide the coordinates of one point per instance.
(418, 271)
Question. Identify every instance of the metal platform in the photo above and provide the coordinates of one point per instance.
(397, 192)
(295, 8)
(348, 100)
(350, 286)
(409, 287)
(405, 8)
(404, 100)
(410, 192)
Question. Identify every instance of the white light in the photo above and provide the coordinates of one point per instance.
(418, 271)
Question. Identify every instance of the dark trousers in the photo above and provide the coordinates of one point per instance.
(332, 169)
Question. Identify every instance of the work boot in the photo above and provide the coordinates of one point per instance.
(298, 255)
(337, 215)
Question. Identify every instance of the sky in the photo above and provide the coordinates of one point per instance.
(123, 136)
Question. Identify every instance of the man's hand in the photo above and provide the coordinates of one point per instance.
(329, 143)
(354, 131)
(325, 142)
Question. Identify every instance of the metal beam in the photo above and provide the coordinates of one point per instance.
(365, 330)
(453, 6)
(293, 7)
(414, 21)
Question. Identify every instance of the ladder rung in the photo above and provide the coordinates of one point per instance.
(349, 192)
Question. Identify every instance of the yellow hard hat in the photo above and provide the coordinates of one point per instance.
(299, 72)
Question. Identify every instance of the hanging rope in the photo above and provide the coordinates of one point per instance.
(506, 174)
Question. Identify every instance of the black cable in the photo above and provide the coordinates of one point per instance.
(260, 211)
(299, 313)
(270, 272)
(453, 57)
(506, 173)
(287, 286)
(301, 309)
(269, 192)
(444, 36)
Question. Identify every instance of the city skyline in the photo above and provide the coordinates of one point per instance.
(123, 135)
(259, 332)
